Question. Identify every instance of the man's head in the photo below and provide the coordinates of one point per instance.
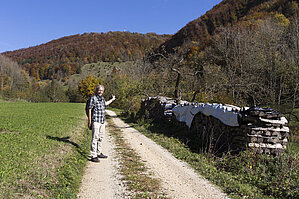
(100, 90)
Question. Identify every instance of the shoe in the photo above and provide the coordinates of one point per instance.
(102, 156)
(96, 159)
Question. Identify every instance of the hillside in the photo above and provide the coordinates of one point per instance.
(200, 31)
(60, 58)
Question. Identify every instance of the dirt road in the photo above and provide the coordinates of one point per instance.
(101, 180)
(178, 179)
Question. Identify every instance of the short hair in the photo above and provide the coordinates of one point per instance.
(99, 86)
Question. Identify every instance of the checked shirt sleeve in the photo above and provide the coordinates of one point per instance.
(91, 103)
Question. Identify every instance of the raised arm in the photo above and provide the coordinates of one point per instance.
(110, 101)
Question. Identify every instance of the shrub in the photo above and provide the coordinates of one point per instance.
(275, 176)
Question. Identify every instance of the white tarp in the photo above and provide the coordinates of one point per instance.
(225, 113)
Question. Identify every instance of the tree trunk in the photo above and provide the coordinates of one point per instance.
(2, 82)
(294, 98)
(177, 84)
(176, 90)
(194, 95)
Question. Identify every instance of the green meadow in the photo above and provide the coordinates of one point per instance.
(43, 149)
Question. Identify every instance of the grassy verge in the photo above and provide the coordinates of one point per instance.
(246, 175)
(294, 128)
(135, 174)
(69, 174)
(43, 149)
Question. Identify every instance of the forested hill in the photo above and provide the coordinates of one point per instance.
(64, 56)
(200, 31)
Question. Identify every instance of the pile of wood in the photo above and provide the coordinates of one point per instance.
(266, 130)
(157, 108)
(262, 130)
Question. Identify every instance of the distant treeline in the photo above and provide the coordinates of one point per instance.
(63, 57)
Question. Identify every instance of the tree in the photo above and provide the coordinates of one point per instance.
(12, 76)
(292, 53)
(74, 95)
(173, 68)
(55, 92)
(87, 86)
(126, 89)
(256, 64)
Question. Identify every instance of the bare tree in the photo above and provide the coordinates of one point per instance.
(10, 74)
(292, 57)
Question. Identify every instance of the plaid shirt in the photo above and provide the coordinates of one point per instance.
(97, 104)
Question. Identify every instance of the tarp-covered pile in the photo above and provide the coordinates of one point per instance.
(225, 113)
(225, 127)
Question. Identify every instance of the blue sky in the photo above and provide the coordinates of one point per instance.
(25, 23)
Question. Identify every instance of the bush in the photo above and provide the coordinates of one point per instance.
(87, 86)
(275, 176)
(127, 92)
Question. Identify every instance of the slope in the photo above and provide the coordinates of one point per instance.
(200, 31)
(60, 58)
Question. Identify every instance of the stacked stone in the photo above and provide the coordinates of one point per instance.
(266, 130)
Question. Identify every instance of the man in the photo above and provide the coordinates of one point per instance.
(96, 121)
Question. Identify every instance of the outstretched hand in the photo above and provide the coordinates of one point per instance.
(110, 101)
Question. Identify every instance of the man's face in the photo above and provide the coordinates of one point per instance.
(100, 91)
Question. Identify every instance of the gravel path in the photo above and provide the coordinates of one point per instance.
(101, 180)
(178, 179)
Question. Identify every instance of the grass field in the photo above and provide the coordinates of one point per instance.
(42, 149)
(44, 146)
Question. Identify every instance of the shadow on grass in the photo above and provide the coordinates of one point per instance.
(68, 141)
(180, 132)
(109, 116)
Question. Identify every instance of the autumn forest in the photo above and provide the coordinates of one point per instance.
(241, 52)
